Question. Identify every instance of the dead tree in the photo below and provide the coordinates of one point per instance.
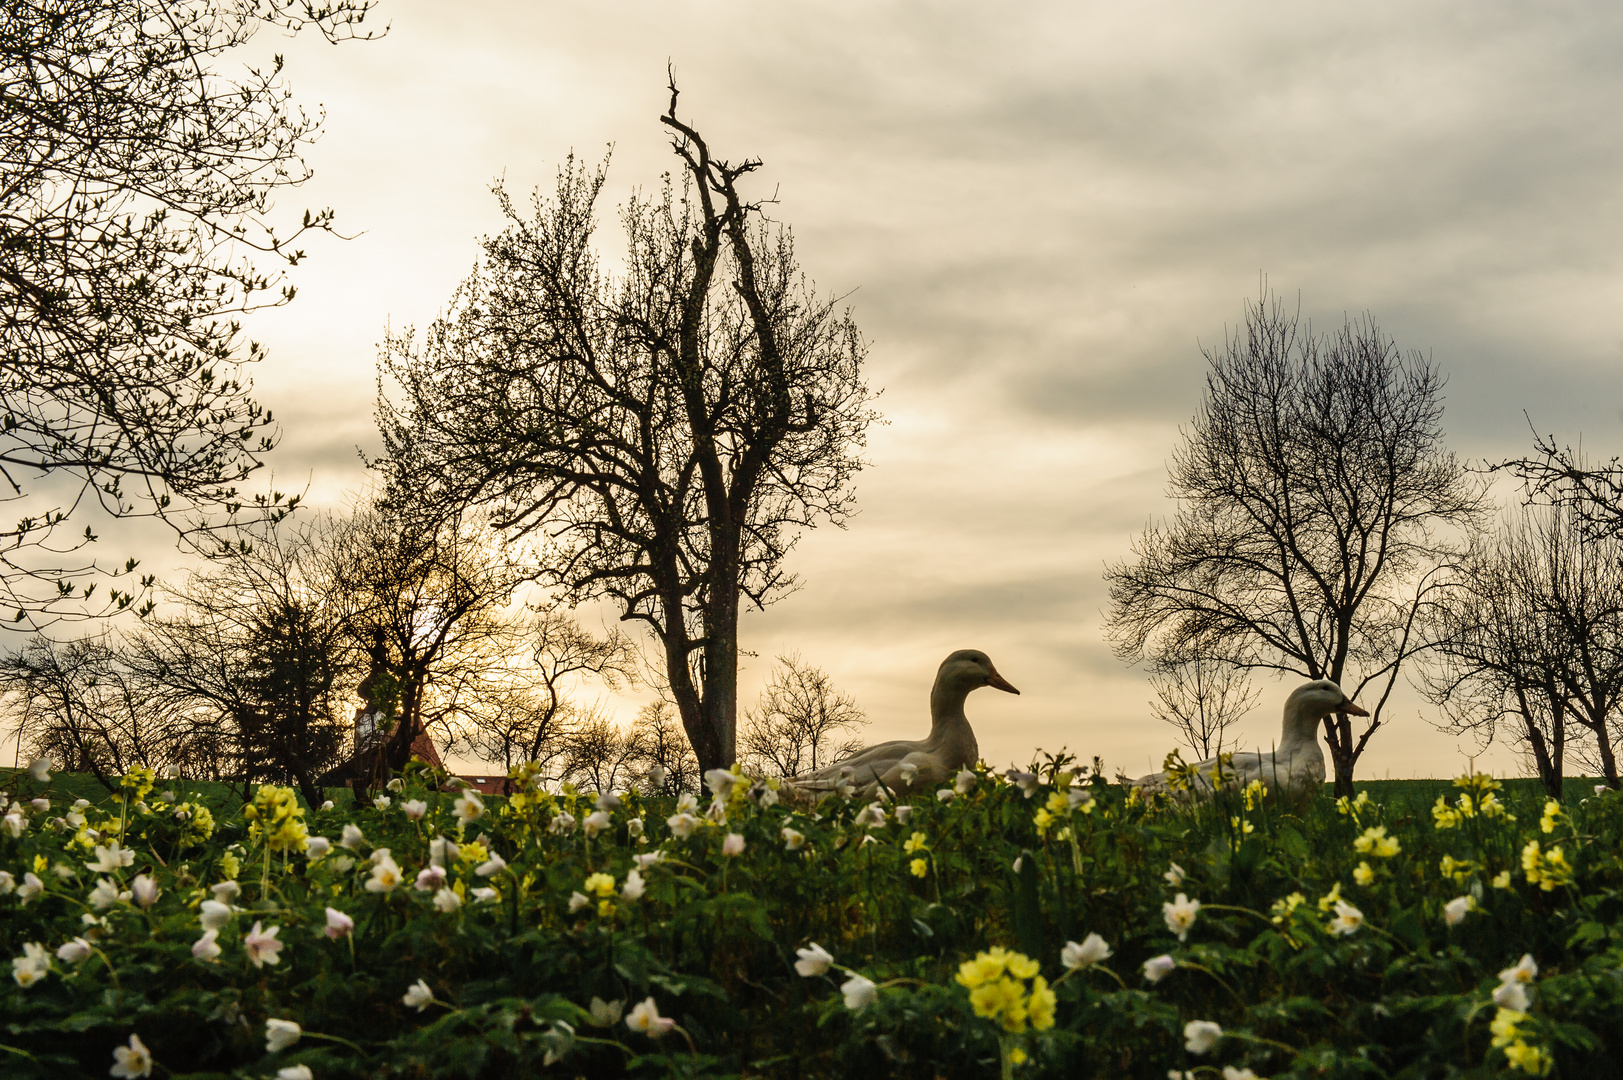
(1202, 698)
(798, 724)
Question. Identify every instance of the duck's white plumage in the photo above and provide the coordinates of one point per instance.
(934, 760)
(1296, 765)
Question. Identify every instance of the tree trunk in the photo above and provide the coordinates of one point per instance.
(1338, 733)
(1549, 771)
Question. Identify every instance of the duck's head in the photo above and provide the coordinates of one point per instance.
(1312, 702)
(970, 669)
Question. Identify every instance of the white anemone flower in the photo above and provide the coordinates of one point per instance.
(207, 947)
(733, 845)
(965, 780)
(213, 914)
(1199, 1036)
(1026, 781)
(1174, 875)
(326, 804)
(656, 776)
(1092, 950)
(385, 873)
(447, 901)
(1525, 970)
(110, 858)
(605, 1013)
(859, 993)
(491, 866)
(1180, 915)
(40, 769)
(7, 882)
(1348, 919)
(485, 894)
(414, 809)
(131, 1061)
(721, 782)
(903, 814)
(31, 888)
(1455, 910)
(563, 823)
(945, 794)
(104, 895)
(793, 839)
(595, 822)
(33, 965)
(295, 1072)
(871, 817)
(383, 802)
(608, 800)
(814, 961)
(908, 771)
(262, 945)
(419, 997)
(145, 890)
(397, 785)
(682, 825)
(578, 900)
(280, 1034)
(317, 848)
(226, 891)
(635, 828)
(648, 859)
(338, 924)
(15, 824)
(1512, 995)
(441, 851)
(634, 887)
(352, 838)
(470, 807)
(430, 878)
(1157, 968)
(646, 1019)
(687, 803)
(74, 952)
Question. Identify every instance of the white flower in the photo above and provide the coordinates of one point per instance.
(470, 807)
(414, 808)
(1019, 861)
(608, 800)
(419, 997)
(859, 993)
(226, 891)
(596, 822)
(634, 828)
(396, 785)
(872, 816)
(482, 895)
(382, 802)
(352, 838)
(792, 839)
(213, 914)
(145, 890)
(1232, 1073)
(1079, 796)
(447, 901)
(104, 895)
(74, 952)
(634, 886)
(40, 805)
(1180, 915)
(317, 848)
(721, 782)
(132, 1060)
(1512, 995)
(40, 769)
(326, 804)
(1525, 971)
(605, 1013)
(1025, 781)
(430, 878)
(491, 866)
(946, 794)
(1454, 911)
(644, 861)
(769, 798)
(262, 946)
(1201, 1035)
(682, 825)
(903, 814)
(34, 964)
(563, 823)
(110, 858)
(578, 900)
(1174, 875)
(441, 851)
(646, 1019)
(717, 811)
(656, 776)
(280, 1034)
(207, 947)
(295, 1072)
(338, 924)
(7, 882)
(1157, 968)
(14, 824)
(966, 780)
(814, 960)
(687, 803)
(385, 873)
(1092, 950)
(908, 771)
(1348, 919)
(733, 845)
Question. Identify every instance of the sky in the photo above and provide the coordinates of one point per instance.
(1039, 214)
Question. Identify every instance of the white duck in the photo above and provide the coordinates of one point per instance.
(903, 766)
(1296, 766)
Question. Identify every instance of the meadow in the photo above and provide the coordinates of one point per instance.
(1041, 923)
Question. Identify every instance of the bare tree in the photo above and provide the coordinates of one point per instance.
(1202, 698)
(668, 430)
(135, 176)
(799, 722)
(1318, 512)
(1561, 474)
(670, 759)
(600, 755)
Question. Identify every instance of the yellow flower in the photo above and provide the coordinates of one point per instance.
(1018, 1056)
(985, 967)
(1042, 819)
(600, 883)
(915, 843)
(230, 866)
(605, 908)
(1501, 880)
(1531, 862)
(1465, 807)
(1041, 1005)
(1328, 900)
(1555, 871)
(1242, 826)
(472, 853)
(919, 867)
(1363, 875)
(1022, 966)
(1284, 906)
(1375, 841)
(1491, 807)
(1442, 816)
(1504, 1026)
(1529, 1059)
(1255, 792)
(1552, 815)
(1058, 803)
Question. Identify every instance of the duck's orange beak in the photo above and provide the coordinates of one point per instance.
(1352, 710)
(1000, 682)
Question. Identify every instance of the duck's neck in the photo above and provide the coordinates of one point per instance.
(1301, 735)
(949, 727)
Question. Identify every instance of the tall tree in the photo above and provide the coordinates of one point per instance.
(800, 722)
(666, 430)
(134, 179)
(1317, 511)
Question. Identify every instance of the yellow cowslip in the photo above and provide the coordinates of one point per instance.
(1350, 807)
(1504, 1026)
(230, 866)
(915, 843)
(1442, 815)
(1042, 819)
(138, 782)
(1328, 900)
(996, 980)
(1554, 871)
(1285, 905)
(1255, 792)
(1003, 1000)
(600, 883)
(1551, 816)
(276, 818)
(1481, 783)
(472, 854)
(1363, 875)
(1491, 807)
(1458, 869)
(1374, 841)
(1501, 880)
(1241, 825)
(1533, 863)
(919, 867)
(1040, 1006)
(1058, 803)
(1529, 1059)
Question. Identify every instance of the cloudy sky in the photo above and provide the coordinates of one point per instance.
(1039, 212)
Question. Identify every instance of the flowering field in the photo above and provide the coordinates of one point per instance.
(1028, 925)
